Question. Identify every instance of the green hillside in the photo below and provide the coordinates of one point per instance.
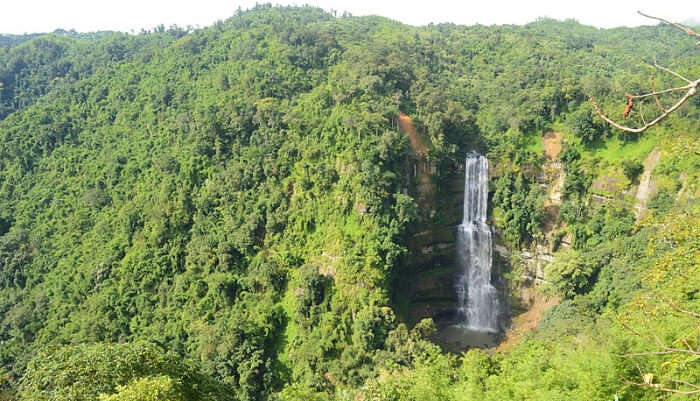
(222, 214)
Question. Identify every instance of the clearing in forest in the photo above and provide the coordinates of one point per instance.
(551, 141)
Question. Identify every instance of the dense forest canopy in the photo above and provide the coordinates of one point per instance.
(220, 214)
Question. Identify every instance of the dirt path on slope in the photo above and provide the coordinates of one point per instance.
(645, 185)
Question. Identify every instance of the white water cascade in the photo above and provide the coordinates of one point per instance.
(478, 307)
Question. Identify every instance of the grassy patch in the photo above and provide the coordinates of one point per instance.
(533, 141)
(290, 329)
(611, 182)
(612, 150)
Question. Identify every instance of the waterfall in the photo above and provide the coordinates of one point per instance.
(478, 306)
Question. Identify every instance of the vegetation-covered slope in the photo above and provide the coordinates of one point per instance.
(234, 196)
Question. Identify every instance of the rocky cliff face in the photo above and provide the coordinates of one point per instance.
(425, 288)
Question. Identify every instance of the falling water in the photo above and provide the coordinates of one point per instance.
(478, 306)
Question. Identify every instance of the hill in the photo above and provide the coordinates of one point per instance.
(227, 213)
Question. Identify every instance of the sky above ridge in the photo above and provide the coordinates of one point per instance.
(28, 16)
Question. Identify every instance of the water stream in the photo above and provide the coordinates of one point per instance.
(478, 305)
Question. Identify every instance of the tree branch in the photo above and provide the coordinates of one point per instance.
(686, 383)
(692, 91)
(660, 343)
(677, 25)
(671, 72)
(641, 113)
(646, 354)
(656, 340)
(678, 308)
(656, 98)
(661, 92)
(659, 388)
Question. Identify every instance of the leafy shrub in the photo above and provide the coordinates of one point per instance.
(312, 293)
(570, 156)
(84, 372)
(662, 201)
(632, 169)
(520, 204)
(574, 272)
(584, 126)
(159, 388)
(574, 209)
(15, 254)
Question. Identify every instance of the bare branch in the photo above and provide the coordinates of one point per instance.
(655, 339)
(679, 350)
(677, 25)
(660, 343)
(646, 354)
(692, 91)
(686, 383)
(685, 341)
(656, 98)
(661, 92)
(678, 308)
(672, 72)
(636, 333)
(659, 388)
(641, 112)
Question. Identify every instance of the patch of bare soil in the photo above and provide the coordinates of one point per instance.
(528, 320)
(552, 204)
(551, 141)
(421, 167)
(417, 143)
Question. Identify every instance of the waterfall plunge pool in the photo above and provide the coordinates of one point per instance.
(456, 338)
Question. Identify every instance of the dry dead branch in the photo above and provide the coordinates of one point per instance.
(656, 97)
(677, 25)
(656, 386)
(690, 89)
